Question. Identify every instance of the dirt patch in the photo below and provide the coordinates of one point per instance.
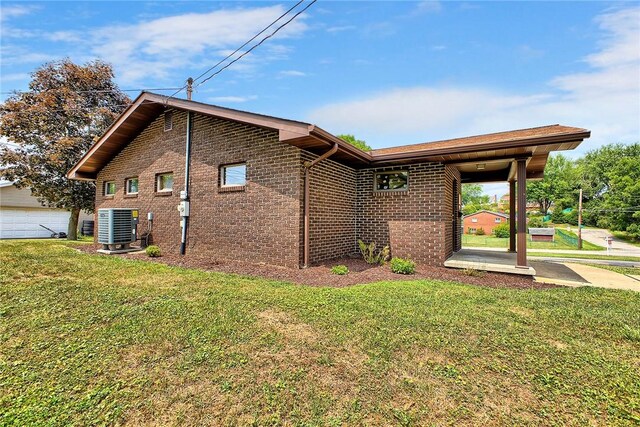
(320, 275)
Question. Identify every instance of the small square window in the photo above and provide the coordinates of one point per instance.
(233, 175)
(109, 188)
(498, 219)
(474, 219)
(131, 185)
(391, 181)
(472, 230)
(164, 182)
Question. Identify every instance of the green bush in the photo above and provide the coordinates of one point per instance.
(535, 222)
(340, 270)
(501, 230)
(403, 266)
(153, 251)
(371, 255)
(480, 232)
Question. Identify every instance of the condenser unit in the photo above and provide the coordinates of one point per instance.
(117, 227)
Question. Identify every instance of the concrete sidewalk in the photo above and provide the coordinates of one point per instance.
(585, 275)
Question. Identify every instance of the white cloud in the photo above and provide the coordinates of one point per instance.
(153, 49)
(428, 6)
(292, 73)
(7, 12)
(341, 28)
(232, 99)
(604, 98)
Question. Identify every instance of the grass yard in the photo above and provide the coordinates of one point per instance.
(490, 241)
(585, 255)
(88, 339)
(626, 237)
(634, 271)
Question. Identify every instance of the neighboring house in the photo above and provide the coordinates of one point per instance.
(504, 204)
(21, 214)
(266, 189)
(484, 219)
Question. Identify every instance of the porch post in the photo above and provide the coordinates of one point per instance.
(512, 216)
(521, 176)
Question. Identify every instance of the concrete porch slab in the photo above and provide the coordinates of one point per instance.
(495, 261)
(120, 251)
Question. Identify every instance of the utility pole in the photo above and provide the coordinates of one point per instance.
(580, 221)
(189, 88)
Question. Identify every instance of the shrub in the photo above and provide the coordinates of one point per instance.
(403, 266)
(480, 232)
(535, 222)
(153, 251)
(501, 230)
(340, 270)
(371, 255)
(472, 272)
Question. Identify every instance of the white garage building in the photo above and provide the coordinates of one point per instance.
(21, 214)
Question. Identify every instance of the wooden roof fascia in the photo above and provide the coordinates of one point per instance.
(518, 143)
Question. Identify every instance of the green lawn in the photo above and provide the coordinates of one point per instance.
(490, 241)
(94, 340)
(626, 237)
(622, 270)
(585, 255)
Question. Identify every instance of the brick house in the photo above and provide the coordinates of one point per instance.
(485, 220)
(289, 193)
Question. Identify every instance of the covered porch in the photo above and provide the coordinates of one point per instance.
(512, 160)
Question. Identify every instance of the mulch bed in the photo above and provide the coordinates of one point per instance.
(320, 275)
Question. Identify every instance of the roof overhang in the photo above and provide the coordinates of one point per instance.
(497, 150)
(147, 106)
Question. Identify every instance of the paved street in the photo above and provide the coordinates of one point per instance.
(620, 247)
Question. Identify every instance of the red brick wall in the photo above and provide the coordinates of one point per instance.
(486, 221)
(332, 191)
(264, 221)
(260, 223)
(417, 223)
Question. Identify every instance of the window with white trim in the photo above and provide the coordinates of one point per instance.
(234, 175)
(131, 185)
(474, 219)
(109, 188)
(391, 181)
(164, 182)
(498, 219)
(472, 230)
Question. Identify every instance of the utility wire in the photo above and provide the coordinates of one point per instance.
(159, 89)
(238, 49)
(258, 44)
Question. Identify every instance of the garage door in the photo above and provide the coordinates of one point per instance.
(24, 223)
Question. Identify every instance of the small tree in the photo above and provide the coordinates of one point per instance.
(358, 143)
(53, 125)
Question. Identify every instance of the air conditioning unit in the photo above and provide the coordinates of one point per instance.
(117, 228)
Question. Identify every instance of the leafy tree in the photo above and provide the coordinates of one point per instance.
(610, 178)
(358, 143)
(53, 125)
(473, 200)
(558, 187)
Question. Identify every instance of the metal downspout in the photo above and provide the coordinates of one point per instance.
(184, 195)
(307, 167)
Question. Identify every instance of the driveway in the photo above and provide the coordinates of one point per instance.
(619, 247)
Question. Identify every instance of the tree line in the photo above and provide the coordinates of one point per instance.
(609, 177)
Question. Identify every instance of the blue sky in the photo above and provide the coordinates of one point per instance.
(390, 72)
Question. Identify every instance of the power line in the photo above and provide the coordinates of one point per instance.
(258, 44)
(248, 41)
(245, 44)
(159, 89)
